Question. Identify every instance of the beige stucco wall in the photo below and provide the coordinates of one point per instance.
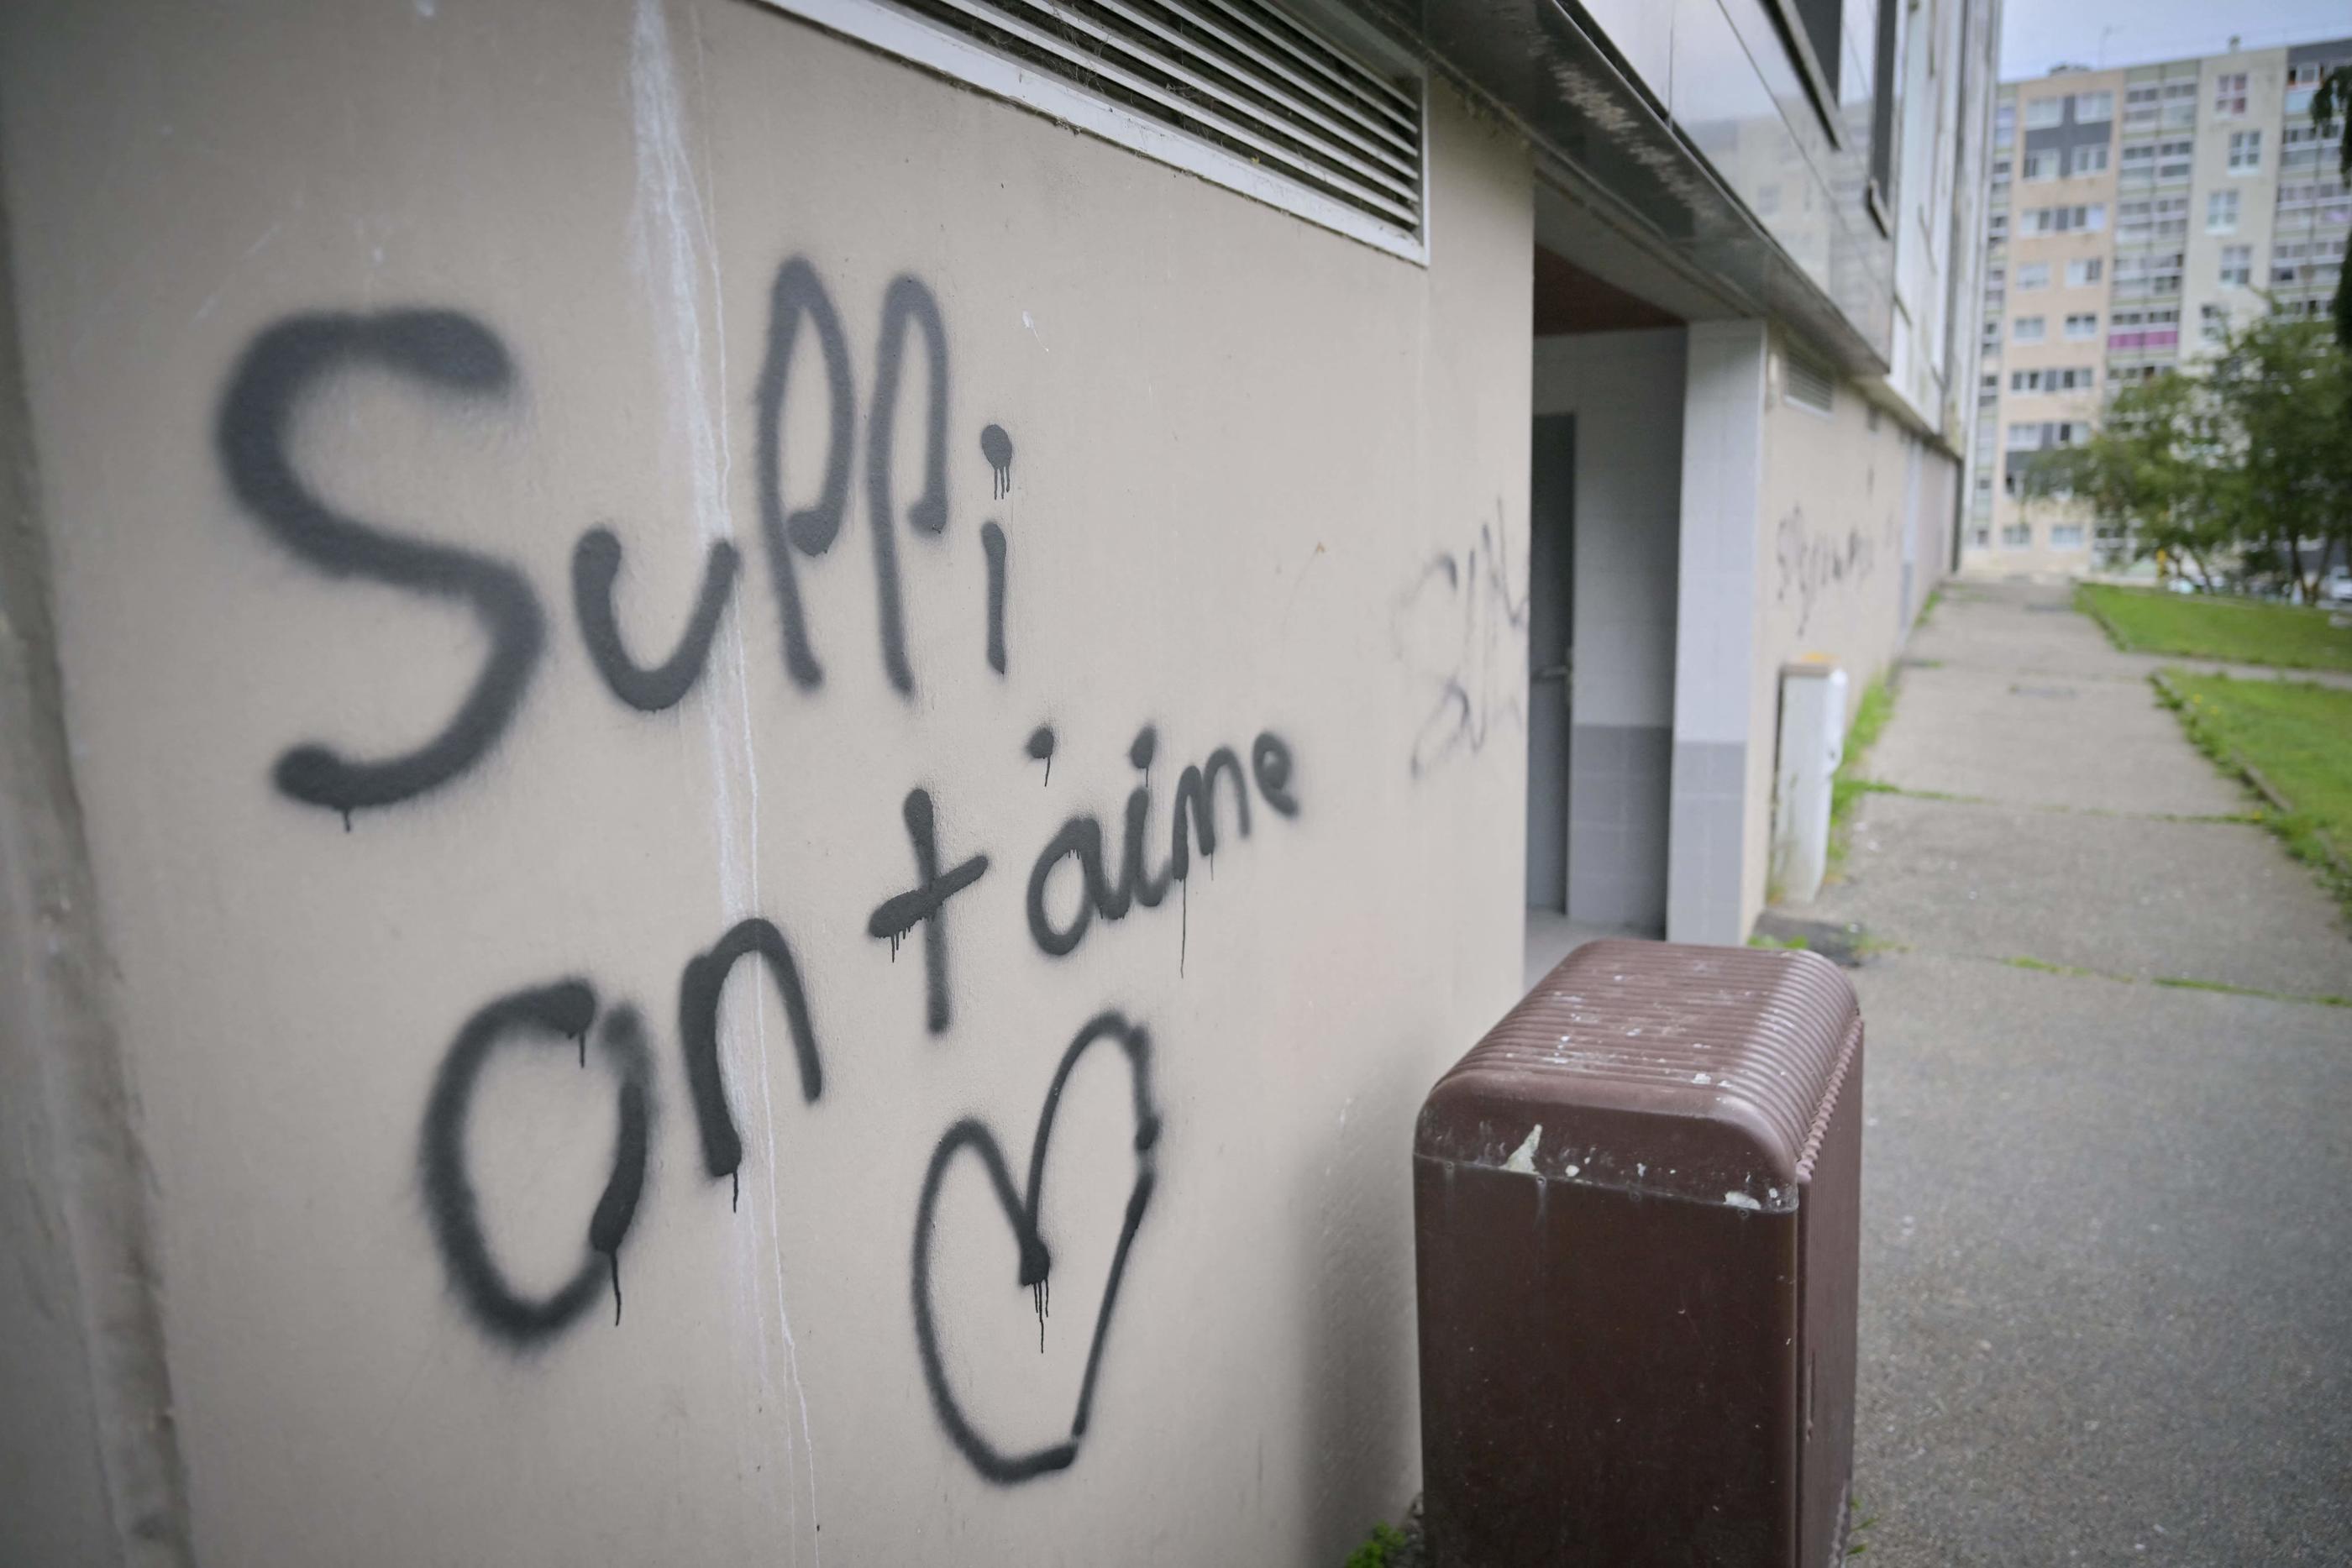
(1847, 498)
(1242, 448)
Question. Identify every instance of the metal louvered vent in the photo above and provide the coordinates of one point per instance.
(1809, 383)
(1237, 91)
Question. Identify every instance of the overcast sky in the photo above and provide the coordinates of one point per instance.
(2038, 33)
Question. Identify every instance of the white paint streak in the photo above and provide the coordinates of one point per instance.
(1523, 1159)
(676, 256)
(251, 251)
(1740, 1200)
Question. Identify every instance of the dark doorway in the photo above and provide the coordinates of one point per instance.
(1551, 564)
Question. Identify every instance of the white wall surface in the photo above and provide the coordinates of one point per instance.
(1625, 390)
(1264, 482)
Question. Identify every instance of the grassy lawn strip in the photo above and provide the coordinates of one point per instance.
(2214, 626)
(2294, 737)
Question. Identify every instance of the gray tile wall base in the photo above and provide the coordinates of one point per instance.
(1707, 823)
(1619, 779)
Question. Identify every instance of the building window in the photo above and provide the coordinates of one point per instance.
(2089, 159)
(2028, 328)
(2246, 152)
(2230, 94)
(2085, 324)
(2222, 212)
(2033, 275)
(1996, 229)
(2004, 125)
(2213, 323)
(2088, 219)
(2090, 108)
(1981, 537)
(2173, 158)
(2042, 166)
(2016, 536)
(2065, 536)
(2044, 113)
(2302, 81)
(2082, 274)
(2237, 266)
(2053, 379)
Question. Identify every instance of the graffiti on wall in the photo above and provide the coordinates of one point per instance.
(1813, 563)
(1073, 879)
(1461, 629)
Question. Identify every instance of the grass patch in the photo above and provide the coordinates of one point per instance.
(2175, 982)
(2042, 966)
(2181, 983)
(2293, 741)
(1387, 1547)
(1779, 943)
(2218, 626)
(1846, 790)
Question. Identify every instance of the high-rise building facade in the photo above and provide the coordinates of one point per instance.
(2133, 216)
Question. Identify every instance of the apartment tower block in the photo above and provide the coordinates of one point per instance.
(2133, 216)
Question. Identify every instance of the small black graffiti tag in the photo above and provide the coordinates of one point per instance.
(1810, 564)
(561, 1012)
(698, 991)
(1459, 624)
(595, 564)
(1024, 1212)
(441, 351)
(1080, 840)
(925, 904)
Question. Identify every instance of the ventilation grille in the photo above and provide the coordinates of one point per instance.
(1809, 383)
(1242, 76)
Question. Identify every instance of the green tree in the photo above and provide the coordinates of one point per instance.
(2331, 111)
(2148, 475)
(2248, 457)
(2284, 396)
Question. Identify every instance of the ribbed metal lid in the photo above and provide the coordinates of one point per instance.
(1697, 1073)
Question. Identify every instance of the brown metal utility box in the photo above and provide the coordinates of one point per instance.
(1637, 1205)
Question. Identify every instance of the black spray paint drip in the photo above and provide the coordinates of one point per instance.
(560, 1011)
(991, 541)
(1041, 1296)
(1022, 1212)
(997, 447)
(1041, 749)
(698, 992)
(925, 904)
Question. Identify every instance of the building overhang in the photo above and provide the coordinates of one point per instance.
(1600, 137)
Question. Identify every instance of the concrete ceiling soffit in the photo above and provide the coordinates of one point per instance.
(1607, 143)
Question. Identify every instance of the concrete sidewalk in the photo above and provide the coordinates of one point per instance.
(2108, 1248)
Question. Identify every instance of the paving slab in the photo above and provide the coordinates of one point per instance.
(2107, 1224)
(2121, 895)
(2106, 1294)
(2047, 739)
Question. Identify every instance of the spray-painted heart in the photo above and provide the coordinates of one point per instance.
(1036, 1263)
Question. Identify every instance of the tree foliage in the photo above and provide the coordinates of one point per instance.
(2246, 461)
(2331, 108)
